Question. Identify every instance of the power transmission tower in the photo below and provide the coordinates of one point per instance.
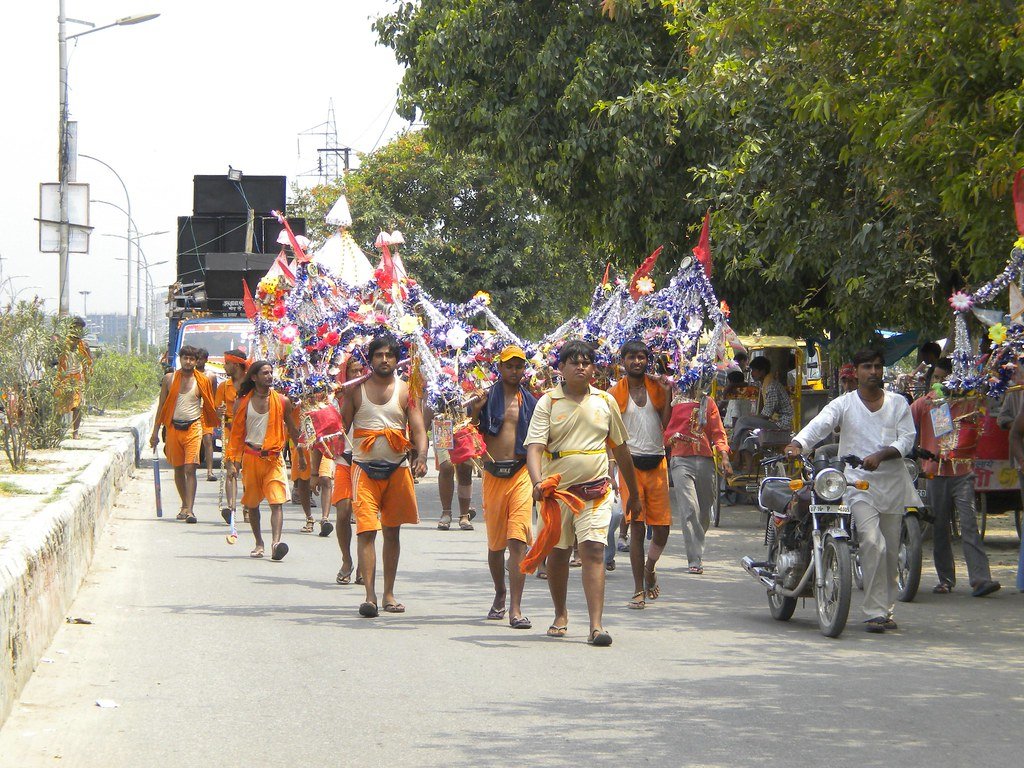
(328, 154)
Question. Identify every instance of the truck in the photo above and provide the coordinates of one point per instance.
(230, 237)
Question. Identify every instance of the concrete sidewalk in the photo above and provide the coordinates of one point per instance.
(217, 659)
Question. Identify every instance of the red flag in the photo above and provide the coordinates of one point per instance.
(643, 271)
(300, 255)
(607, 272)
(703, 249)
(247, 302)
(281, 265)
(1018, 200)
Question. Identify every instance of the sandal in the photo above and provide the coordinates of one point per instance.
(520, 622)
(326, 527)
(575, 562)
(368, 610)
(542, 575)
(464, 521)
(359, 578)
(653, 590)
(445, 523)
(394, 608)
(495, 614)
(182, 514)
(697, 570)
(308, 527)
(942, 588)
(344, 577)
(637, 603)
(599, 638)
(256, 552)
(556, 631)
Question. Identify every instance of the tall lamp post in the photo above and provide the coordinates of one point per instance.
(85, 305)
(139, 257)
(64, 151)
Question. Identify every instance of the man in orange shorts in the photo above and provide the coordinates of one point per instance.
(185, 400)
(262, 424)
(644, 405)
(209, 427)
(504, 414)
(235, 365)
(381, 415)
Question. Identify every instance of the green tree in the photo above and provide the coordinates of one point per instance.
(466, 229)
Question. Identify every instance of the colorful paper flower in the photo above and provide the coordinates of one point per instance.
(644, 286)
(961, 302)
(997, 333)
(483, 296)
(408, 324)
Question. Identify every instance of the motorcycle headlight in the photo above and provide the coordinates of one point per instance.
(830, 485)
(912, 469)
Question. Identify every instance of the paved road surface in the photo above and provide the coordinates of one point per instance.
(219, 660)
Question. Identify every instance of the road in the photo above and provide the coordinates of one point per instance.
(215, 659)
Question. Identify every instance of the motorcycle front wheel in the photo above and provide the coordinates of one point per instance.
(834, 596)
(782, 608)
(908, 569)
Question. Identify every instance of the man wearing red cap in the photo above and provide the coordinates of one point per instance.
(504, 414)
(847, 378)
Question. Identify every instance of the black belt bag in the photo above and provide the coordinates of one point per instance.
(378, 469)
(646, 462)
(504, 469)
(182, 426)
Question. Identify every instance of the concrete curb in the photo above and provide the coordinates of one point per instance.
(47, 558)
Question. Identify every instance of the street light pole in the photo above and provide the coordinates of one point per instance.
(85, 305)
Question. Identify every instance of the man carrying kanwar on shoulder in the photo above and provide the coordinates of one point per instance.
(260, 428)
(644, 405)
(567, 447)
(504, 414)
(235, 366)
(877, 427)
(185, 400)
(382, 416)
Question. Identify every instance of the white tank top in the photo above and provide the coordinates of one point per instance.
(256, 425)
(369, 415)
(643, 427)
(188, 406)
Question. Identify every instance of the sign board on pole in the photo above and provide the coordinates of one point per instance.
(78, 218)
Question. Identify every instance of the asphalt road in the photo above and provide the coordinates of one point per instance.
(215, 659)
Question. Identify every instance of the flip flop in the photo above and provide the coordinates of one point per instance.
(942, 588)
(696, 570)
(443, 524)
(326, 528)
(257, 552)
(471, 513)
(394, 608)
(191, 520)
(986, 588)
(344, 577)
(652, 589)
(599, 638)
(225, 513)
(280, 550)
(308, 525)
(182, 514)
(556, 631)
(369, 611)
(520, 622)
(495, 614)
(637, 603)
(359, 579)
(465, 525)
(576, 563)
(542, 575)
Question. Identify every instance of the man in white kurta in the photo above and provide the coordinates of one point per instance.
(876, 426)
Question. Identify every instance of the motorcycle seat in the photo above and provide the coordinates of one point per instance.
(775, 494)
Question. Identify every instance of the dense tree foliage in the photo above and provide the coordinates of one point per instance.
(857, 155)
(466, 229)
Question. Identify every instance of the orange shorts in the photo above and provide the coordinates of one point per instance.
(508, 509)
(342, 483)
(208, 430)
(181, 446)
(306, 474)
(390, 502)
(654, 496)
(263, 478)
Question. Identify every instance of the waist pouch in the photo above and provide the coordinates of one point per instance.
(182, 426)
(378, 469)
(504, 468)
(648, 462)
(591, 491)
(346, 458)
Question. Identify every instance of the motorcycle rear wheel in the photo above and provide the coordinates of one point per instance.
(908, 569)
(835, 595)
(782, 608)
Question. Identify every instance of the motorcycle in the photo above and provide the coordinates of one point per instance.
(808, 540)
(915, 518)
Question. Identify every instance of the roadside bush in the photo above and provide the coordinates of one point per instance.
(31, 343)
(122, 381)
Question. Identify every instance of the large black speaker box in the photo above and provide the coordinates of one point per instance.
(217, 195)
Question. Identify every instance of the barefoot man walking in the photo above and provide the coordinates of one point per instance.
(504, 413)
(382, 415)
(567, 457)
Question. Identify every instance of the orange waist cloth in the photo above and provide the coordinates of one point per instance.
(397, 440)
(551, 514)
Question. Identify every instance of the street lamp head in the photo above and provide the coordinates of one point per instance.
(234, 174)
(135, 19)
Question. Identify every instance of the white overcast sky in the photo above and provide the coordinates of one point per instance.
(207, 84)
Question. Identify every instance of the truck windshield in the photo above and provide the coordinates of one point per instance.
(216, 338)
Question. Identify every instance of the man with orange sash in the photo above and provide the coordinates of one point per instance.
(185, 400)
(262, 425)
(504, 414)
(74, 367)
(209, 426)
(644, 405)
(571, 431)
(382, 414)
(235, 365)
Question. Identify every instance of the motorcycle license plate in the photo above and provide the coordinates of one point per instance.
(829, 509)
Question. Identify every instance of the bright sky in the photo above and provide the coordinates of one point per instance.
(205, 85)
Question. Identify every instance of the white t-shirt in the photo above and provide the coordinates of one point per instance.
(643, 425)
(890, 488)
